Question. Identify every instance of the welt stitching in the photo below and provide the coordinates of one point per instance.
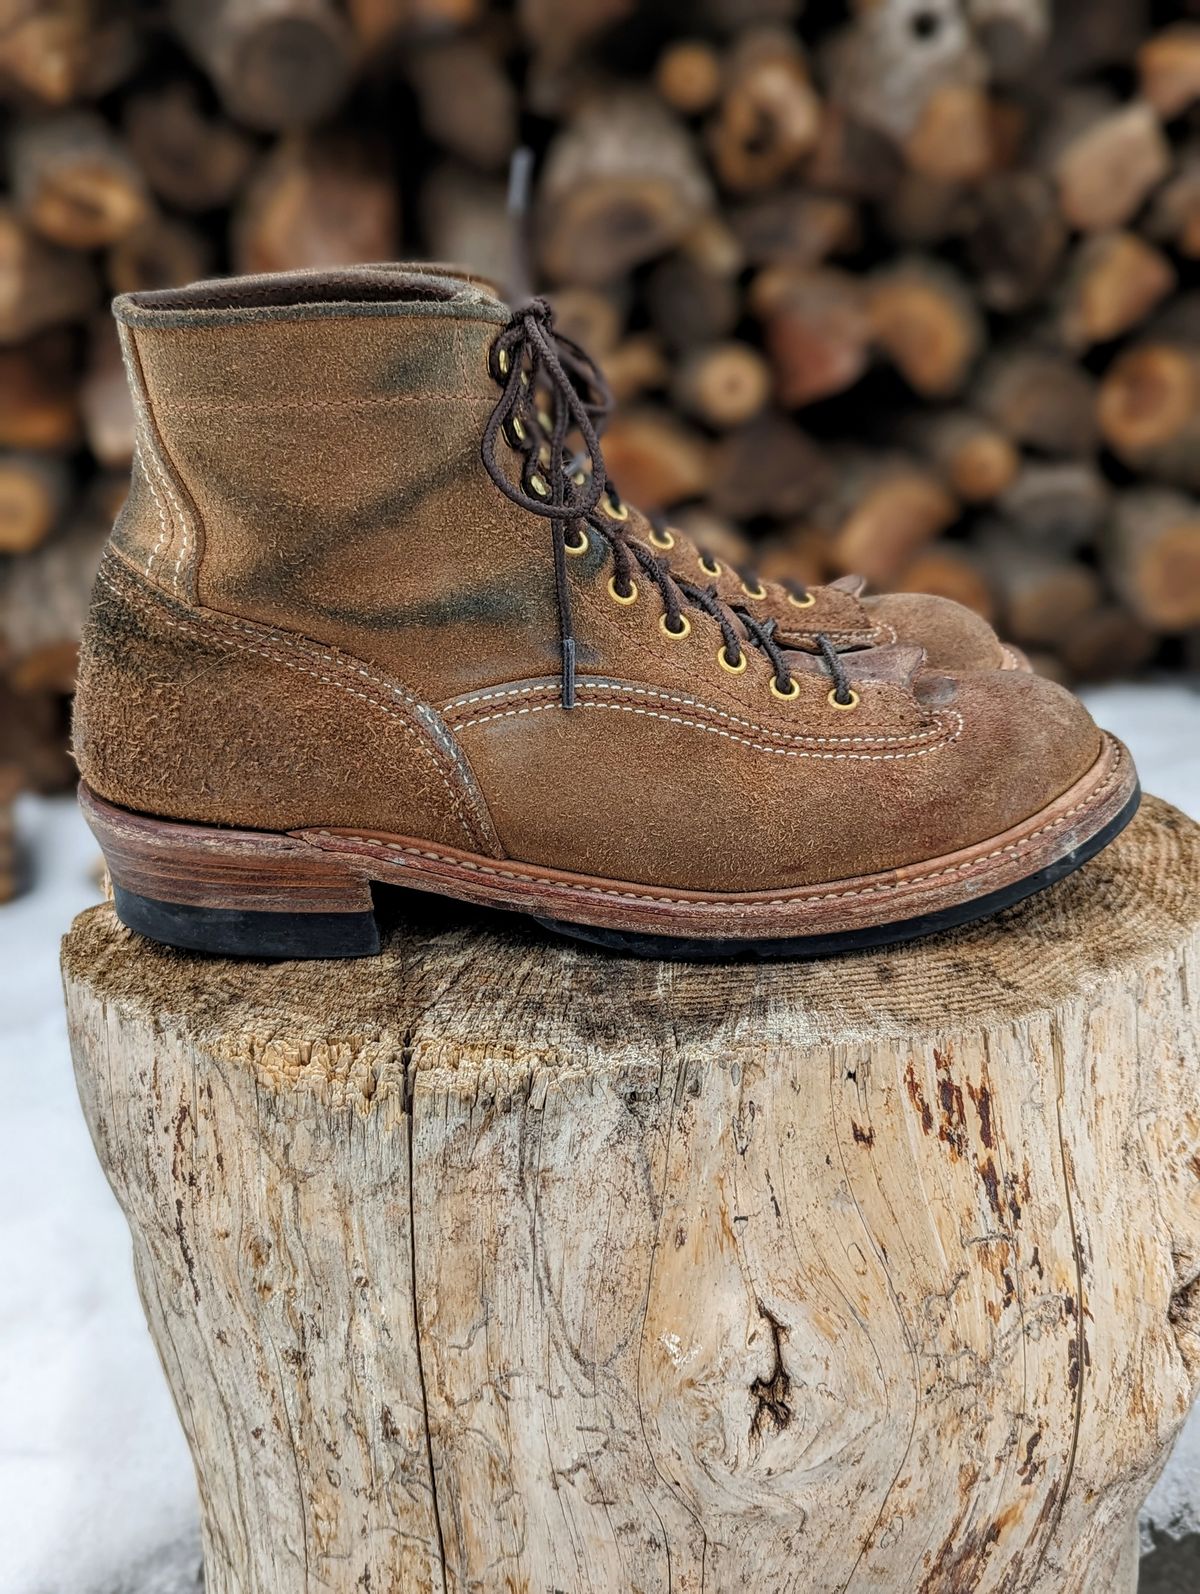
(775, 903)
(714, 730)
(689, 702)
(470, 819)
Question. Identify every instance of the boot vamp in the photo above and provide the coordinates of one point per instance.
(664, 791)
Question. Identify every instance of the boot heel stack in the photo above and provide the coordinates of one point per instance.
(235, 893)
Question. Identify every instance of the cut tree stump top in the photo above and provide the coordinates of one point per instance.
(498, 1263)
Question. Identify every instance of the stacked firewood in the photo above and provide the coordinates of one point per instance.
(908, 287)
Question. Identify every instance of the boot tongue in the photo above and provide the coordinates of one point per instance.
(854, 585)
(898, 665)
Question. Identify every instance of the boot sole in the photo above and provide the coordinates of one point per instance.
(308, 893)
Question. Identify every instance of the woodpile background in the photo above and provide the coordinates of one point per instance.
(909, 287)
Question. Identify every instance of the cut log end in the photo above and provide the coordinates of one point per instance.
(331, 1176)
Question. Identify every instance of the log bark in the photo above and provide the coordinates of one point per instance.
(34, 489)
(948, 570)
(1174, 213)
(747, 1279)
(1114, 282)
(1106, 168)
(885, 510)
(75, 183)
(278, 64)
(1169, 69)
(817, 330)
(161, 252)
(1016, 239)
(1154, 557)
(621, 184)
(1149, 410)
(654, 459)
(40, 285)
(723, 385)
(1041, 399)
(769, 116)
(1109, 644)
(38, 400)
(43, 603)
(1039, 594)
(104, 401)
(976, 458)
(33, 738)
(193, 161)
(467, 102)
(316, 202)
(1060, 504)
(62, 50)
(688, 76)
(769, 467)
(895, 56)
(924, 319)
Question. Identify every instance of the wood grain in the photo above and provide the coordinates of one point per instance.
(493, 1264)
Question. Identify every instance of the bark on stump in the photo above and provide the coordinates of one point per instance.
(494, 1264)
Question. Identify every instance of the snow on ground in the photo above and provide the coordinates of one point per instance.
(95, 1480)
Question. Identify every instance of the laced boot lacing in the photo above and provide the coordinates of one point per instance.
(532, 361)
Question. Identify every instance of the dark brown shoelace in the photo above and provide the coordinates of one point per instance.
(532, 362)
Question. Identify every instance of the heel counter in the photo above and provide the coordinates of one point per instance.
(199, 717)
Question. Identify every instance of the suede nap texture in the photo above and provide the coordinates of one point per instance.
(954, 638)
(320, 611)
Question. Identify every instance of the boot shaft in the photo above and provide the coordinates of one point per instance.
(308, 457)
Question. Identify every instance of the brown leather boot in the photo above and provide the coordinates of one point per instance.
(352, 629)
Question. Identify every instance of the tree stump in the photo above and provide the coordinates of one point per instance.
(497, 1264)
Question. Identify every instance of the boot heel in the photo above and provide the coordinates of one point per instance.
(236, 893)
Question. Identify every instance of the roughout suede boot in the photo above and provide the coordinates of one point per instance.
(358, 624)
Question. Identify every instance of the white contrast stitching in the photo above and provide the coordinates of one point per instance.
(715, 730)
(164, 534)
(692, 702)
(774, 903)
(152, 465)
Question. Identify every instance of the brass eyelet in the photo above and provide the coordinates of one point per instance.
(545, 420)
(711, 567)
(757, 591)
(577, 549)
(622, 597)
(723, 661)
(540, 485)
(518, 428)
(503, 363)
(579, 478)
(785, 697)
(806, 602)
(834, 701)
(685, 628)
(545, 455)
(615, 511)
(661, 539)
